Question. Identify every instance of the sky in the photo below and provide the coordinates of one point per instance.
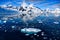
(38, 3)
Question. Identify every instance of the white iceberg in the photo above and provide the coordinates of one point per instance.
(30, 30)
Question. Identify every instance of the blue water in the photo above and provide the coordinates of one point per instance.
(47, 26)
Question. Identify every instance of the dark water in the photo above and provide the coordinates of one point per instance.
(51, 30)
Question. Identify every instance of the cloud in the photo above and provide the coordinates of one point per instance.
(56, 5)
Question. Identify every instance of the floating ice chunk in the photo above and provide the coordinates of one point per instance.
(44, 37)
(56, 22)
(13, 26)
(35, 34)
(0, 21)
(27, 34)
(39, 21)
(30, 30)
(56, 15)
(4, 21)
(4, 18)
(42, 33)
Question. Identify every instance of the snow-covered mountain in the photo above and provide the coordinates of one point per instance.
(29, 12)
